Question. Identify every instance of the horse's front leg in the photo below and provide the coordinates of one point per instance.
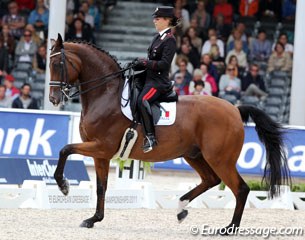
(102, 170)
(85, 148)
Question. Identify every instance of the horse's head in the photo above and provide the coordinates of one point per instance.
(64, 71)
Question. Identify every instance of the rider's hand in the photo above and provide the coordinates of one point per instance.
(139, 63)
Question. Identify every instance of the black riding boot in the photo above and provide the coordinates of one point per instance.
(149, 130)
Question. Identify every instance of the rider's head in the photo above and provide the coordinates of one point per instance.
(164, 17)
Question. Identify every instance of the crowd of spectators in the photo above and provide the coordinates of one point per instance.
(217, 54)
(23, 42)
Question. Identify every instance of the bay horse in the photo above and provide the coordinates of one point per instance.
(208, 132)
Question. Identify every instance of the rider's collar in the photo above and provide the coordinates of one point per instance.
(163, 31)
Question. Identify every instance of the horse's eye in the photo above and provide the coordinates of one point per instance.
(56, 66)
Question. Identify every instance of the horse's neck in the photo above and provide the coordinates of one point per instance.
(102, 98)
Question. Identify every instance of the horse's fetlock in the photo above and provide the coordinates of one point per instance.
(99, 216)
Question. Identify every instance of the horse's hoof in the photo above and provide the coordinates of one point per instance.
(182, 215)
(65, 187)
(87, 224)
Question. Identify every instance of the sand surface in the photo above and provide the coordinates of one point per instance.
(140, 224)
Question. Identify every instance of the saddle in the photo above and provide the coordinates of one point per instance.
(136, 84)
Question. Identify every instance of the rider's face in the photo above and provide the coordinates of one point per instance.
(161, 23)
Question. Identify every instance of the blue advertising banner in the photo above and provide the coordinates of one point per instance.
(32, 135)
(15, 171)
(252, 157)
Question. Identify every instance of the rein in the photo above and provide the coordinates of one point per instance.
(65, 87)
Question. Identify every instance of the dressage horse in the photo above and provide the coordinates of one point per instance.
(208, 131)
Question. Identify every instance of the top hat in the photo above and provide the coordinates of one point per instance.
(164, 11)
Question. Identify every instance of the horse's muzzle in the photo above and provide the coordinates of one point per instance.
(55, 96)
(54, 100)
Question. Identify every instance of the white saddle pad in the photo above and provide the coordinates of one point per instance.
(167, 117)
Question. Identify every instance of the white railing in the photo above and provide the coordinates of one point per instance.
(138, 194)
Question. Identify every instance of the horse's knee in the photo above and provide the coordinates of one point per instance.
(66, 151)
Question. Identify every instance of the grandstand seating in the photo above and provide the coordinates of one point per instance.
(129, 39)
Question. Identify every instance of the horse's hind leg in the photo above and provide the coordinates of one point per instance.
(229, 175)
(102, 170)
(208, 180)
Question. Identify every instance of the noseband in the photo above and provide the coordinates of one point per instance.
(64, 84)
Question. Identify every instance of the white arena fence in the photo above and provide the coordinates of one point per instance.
(139, 194)
(30, 142)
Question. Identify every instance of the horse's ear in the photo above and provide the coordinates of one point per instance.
(59, 41)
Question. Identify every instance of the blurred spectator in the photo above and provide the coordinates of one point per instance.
(225, 9)
(5, 101)
(270, 8)
(229, 84)
(198, 77)
(283, 38)
(195, 40)
(69, 20)
(39, 18)
(88, 18)
(95, 12)
(35, 37)
(182, 84)
(176, 61)
(25, 6)
(202, 17)
(3, 8)
(238, 33)
(212, 69)
(213, 40)
(248, 8)
(261, 47)
(184, 23)
(253, 84)
(289, 9)
(239, 53)
(25, 100)
(4, 61)
(40, 60)
(86, 26)
(79, 31)
(200, 33)
(8, 41)
(14, 20)
(11, 90)
(200, 88)
(239, 71)
(217, 60)
(183, 15)
(26, 48)
(73, 5)
(279, 59)
(208, 79)
(222, 30)
(189, 5)
(191, 53)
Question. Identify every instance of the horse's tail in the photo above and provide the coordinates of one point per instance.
(270, 134)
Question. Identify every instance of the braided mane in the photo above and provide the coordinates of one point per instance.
(97, 48)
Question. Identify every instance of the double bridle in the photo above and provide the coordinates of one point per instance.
(64, 84)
